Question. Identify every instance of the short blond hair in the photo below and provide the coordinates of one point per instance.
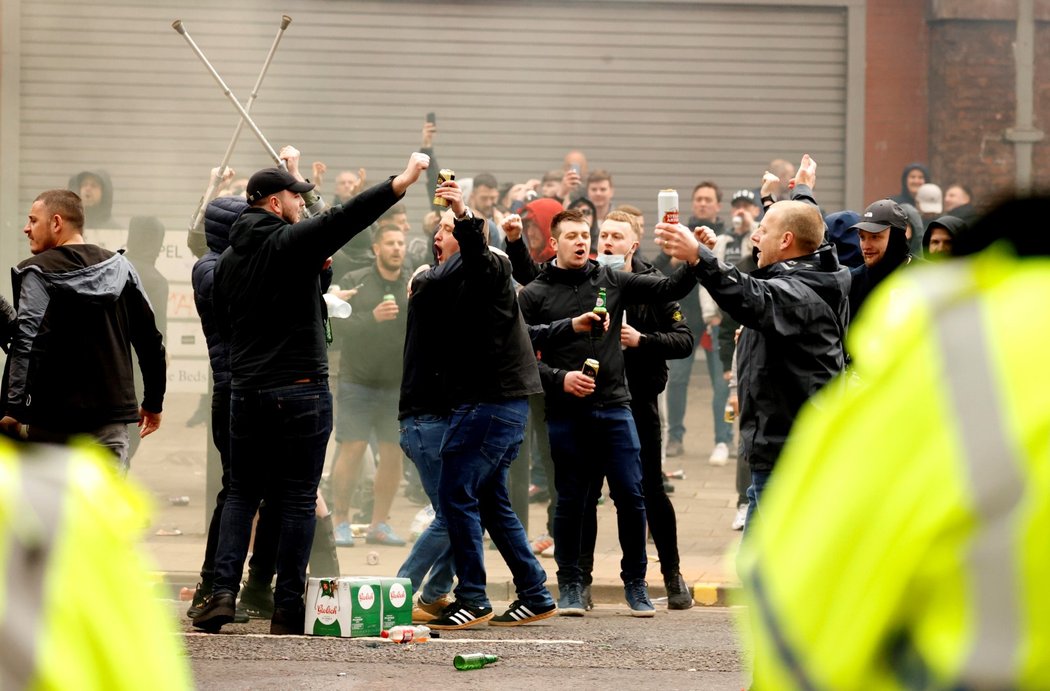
(622, 216)
(804, 222)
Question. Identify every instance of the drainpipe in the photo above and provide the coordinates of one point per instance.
(1024, 134)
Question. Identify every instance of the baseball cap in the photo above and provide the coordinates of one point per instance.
(273, 180)
(929, 199)
(882, 215)
(742, 195)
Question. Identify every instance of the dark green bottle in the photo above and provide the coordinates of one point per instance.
(601, 308)
(473, 661)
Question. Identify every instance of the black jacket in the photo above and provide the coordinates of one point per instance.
(480, 348)
(268, 300)
(219, 217)
(369, 349)
(865, 279)
(81, 310)
(794, 313)
(565, 293)
(99, 216)
(951, 223)
(666, 337)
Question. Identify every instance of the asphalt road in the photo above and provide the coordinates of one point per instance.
(695, 649)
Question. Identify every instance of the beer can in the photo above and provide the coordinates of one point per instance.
(667, 206)
(730, 414)
(590, 368)
(444, 175)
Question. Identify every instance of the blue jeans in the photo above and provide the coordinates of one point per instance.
(678, 374)
(481, 442)
(598, 441)
(421, 438)
(723, 429)
(277, 449)
(759, 478)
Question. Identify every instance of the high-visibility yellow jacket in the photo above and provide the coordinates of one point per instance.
(903, 541)
(76, 607)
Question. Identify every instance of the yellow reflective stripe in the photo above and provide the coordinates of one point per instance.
(993, 466)
(43, 480)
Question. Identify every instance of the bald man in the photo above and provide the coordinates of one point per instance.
(793, 309)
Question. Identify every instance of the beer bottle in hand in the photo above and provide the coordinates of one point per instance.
(601, 309)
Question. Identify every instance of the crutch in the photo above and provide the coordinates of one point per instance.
(245, 117)
(213, 182)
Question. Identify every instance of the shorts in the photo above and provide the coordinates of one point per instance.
(363, 409)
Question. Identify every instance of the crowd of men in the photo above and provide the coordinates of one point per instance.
(521, 311)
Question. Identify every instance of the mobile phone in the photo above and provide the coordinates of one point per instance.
(432, 118)
(575, 167)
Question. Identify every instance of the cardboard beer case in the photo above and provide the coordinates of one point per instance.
(344, 607)
(396, 595)
(327, 607)
(366, 608)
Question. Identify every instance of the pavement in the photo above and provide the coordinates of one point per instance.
(172, 464)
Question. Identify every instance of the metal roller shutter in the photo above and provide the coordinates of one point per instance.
(662, 94)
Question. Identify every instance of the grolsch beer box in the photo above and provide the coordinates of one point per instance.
(327, 607)
(345, 607)
(397, 602)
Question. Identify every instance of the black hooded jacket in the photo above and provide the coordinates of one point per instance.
(905, 196)
(219, 217)
(81, 312)
(99, 216)
(951, 223)
(268, 292)
(867, 279)
(794, 313)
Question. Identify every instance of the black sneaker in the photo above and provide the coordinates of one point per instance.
(460, 616)
(200, 598)
(678, 593)
(257, 600)
(585, 596)
(216, 613)
(520, 613)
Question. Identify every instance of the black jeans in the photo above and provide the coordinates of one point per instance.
(659, 511)
(264, 549)
(588, 445)
(278, 438)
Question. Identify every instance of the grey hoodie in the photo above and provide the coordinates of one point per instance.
(81, 309)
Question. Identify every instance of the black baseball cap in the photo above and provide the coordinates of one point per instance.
(742, 195)
(882, 215)
(273, 180)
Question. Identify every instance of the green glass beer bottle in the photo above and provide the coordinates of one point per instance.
(473, 661)
(601, 308)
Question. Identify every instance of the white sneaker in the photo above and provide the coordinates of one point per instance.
(741, 517)
(720, 455)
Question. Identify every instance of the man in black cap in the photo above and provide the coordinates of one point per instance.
(269, 306)
(882, 229)
(745, 213)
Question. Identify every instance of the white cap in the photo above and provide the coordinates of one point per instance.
(929, 199)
